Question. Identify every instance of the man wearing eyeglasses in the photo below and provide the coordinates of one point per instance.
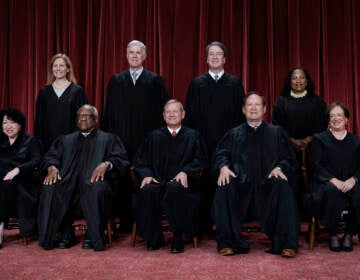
(78, 167)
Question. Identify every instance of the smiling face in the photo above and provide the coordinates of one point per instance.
(215, 59)
(337, 119)
(135, 56)
(60, 68)
(10, 128)
(298, 81)
(86, 120)
(254, 108)
(173, 115)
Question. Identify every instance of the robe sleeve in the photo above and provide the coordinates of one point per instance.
(142, 160)
(287, 156)
(39, 115)
(34, 154)
(316, 156)
(319, 124)
(199, 160)
(53, 156)
(278, 114)
(111, 98)
(222, 154)
(117, 156)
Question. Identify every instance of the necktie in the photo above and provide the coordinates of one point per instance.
(255, 127)
(173, 133)
(216, 78)
(134, 74)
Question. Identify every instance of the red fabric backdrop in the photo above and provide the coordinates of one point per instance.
(265, 39)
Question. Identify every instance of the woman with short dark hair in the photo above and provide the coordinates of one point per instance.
(19, 156)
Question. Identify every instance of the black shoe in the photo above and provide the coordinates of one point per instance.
(87, 244)
(177, 245)
(334, 243)
(67, 240)
(241, 250)
(347, 244)
(65, 243)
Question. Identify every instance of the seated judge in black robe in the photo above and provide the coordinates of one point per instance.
(169, 164)
(335, 157)
(19, 156)
(254, 164)
(79, 164)
(213, 106)
(58, 102)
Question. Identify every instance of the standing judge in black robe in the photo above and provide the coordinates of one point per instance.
(133, 107)
(213, 106)
(298, 109)
(302, 114)
(58, 102)
(335, 156)
(19, 156)
(168, 164)
(134, 100)
(254, 165)
(214, 99)
(79, 164)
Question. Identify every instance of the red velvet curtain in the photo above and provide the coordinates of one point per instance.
(265, 39)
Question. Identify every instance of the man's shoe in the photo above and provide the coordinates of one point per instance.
(65, 243)
(347, 244)
(151, 247)
(226, 252)
(334, 243)
(87, 244)
(288, 253)
(177, 245)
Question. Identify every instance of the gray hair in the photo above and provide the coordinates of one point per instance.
(172, 101)
(136, 43)
(94, 113)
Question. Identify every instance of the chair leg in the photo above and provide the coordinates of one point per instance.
(25, 241)
(133, 235)
(312, 233)
(109, 232)
(195, 242)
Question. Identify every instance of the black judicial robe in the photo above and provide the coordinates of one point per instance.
(132, 111)
(57, 116)
(213, 108)
(300, 117)
(24, 153)
(252, 155)
(333, 158)
(76, 157)
(163, 156)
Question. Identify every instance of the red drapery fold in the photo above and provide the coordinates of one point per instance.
(265, 39)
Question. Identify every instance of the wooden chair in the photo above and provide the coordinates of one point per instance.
(164, 224)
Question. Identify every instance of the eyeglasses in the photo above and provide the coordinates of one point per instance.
(86, 116)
